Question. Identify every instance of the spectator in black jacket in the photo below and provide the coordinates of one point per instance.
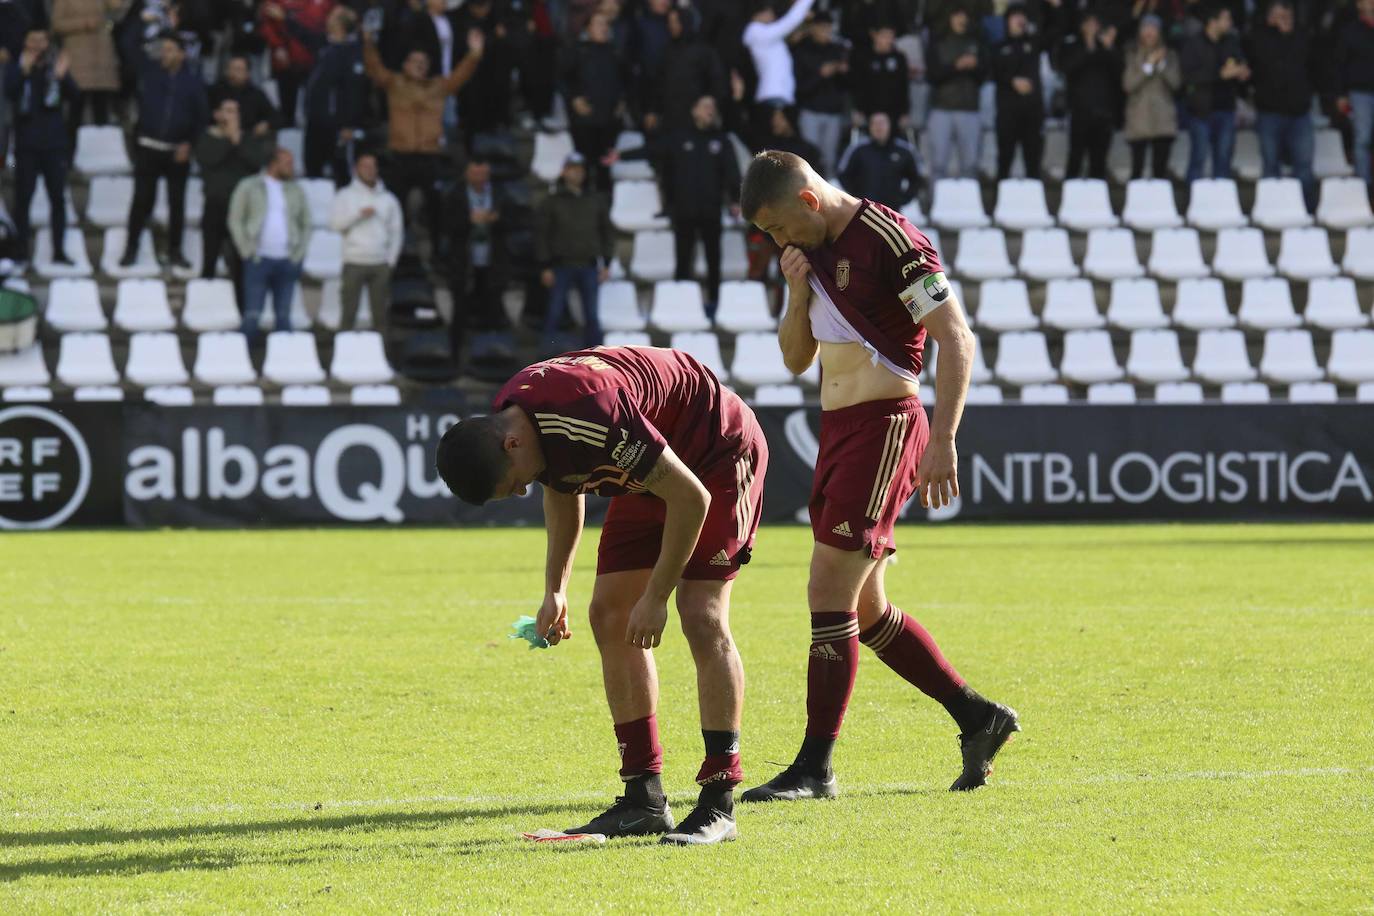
(1355, 83)
(227, 154)
(881, 168)
(336, 100)
(881, 79)
(1020, 100)
(574, 243)
(484, 104)
(257, 114)
(172, 112)
(691, 69)
(478, 215)
(1280, 70)
(958, 62)
(1214, 70)
(648, 42)
(1092, 66)
(36, 84)
(594, 88)
(821, 62)
(773, 129)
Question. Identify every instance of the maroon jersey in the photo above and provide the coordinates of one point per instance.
(604, 415)
(883, 276)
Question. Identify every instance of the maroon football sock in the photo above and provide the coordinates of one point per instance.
(906, 648)
(830, 671)
(640, 752)
(721, 769)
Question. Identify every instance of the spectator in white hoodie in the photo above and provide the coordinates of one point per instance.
(368, 216)
(766, 38)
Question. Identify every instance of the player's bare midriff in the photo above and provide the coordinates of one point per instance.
(849, 377)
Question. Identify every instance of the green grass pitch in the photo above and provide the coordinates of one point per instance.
(334, 720)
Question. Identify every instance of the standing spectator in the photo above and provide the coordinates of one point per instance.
(958, 66)
(36, 85)
(1213, 70)
(649, 40)
(292, 58)
(594, 88)
(539, 61)
(880, 73)
(1280, 67)
(1093, 71)
(484, 105)
(822, 62)
(1020, 100)
(83, 30)
(691, 69)
(881, 168)
(574, 244)
(1151, 78)
(336, 99)
(368, 217)
(415, 107)
(778, 132)
(171, 115)
(269, 220)
(227, 154)
(257, 114)
(1355, 83)
(478, 214)
(766, 38)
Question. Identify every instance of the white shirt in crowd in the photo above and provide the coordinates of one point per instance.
(767, 42)
(275, 239)
(444, 29)
(374, 239)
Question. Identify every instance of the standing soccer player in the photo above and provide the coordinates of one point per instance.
(864, 288)
(684, 460)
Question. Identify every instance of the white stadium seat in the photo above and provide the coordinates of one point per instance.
(222, 359)
(1135, 305)
(1266, 303)
(1044, 394)
(1245, 160)
(1352, 357)
(1214, 204)
(1045, 255)
(330, 314)
(360, 359)
(1279, 204)
(1085, 205)
(981, 373)
(305, 396)
(40, 210)
(1004, 305)
(1178, 393)
(98, 393)
(1176, 254)
(1289, 357)
(1312, 393)
(24, 369)
(1222, 357)
(1332, 303)
(100, 151)
(26, 394)
(155, 360)
(758, 360)
(677, 306)
(109, 200)
(300, 317)
(1111, 255)
(169, 395)
(1245, 393)
(210, 306)
(1344, 204)
(1071, 305)
(705, 347)
(375, 396)
(1021, 205)
(983, 255)
(743, 307)
(86, 359)
(237, 396)
(1150, 205)
(319, 197)
(734, 256)
(1201, 304)
(957, 203)
(550, 152)
(618, 306)
(1023, 358)
(778, 396)
(291, 138)
(633, 169)
(627, 339)
(1240, 254)
(74, 305)
(653, 257)
(983, 394)
(323, 255)
(195, 201)
(1359, 253)
(1089, 357)
(1364, 394)
(1305, 254)
(913, 212)
(1329, 155)
(635, 206)
(1111, 393)
(74, 246)
(141, 305)
(145, 264)
(1155, 357)
(292, 359)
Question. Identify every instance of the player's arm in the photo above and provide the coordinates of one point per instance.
(794, 330)
(937, 477)
(563, 514)
(687, 500)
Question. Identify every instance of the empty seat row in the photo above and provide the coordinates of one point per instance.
(678, 306)
(654, 256)
(323, 256)
(225, 395)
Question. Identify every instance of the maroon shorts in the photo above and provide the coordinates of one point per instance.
(633, 530)
(865, 472)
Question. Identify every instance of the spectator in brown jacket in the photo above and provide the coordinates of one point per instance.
(415, 106)
(85, 35)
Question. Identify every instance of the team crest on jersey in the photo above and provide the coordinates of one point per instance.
(842, 274)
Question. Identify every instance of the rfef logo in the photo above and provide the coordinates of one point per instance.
(45, 468)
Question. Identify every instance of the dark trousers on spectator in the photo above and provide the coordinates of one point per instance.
(149, 166)
(52, 166)
(1215, 135)
(322, 148)
(377, 279)
(686, 231)
(1020, 128)
(1089, 137)
(1288, 138)
(588, 286)
(594, 141)
(289, 83)
(408, 171)
(1159, 156)
(214, 228)
(99, 103)
(261, 276)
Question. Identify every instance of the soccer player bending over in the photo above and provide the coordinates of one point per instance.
(684, 460)
(864, 288)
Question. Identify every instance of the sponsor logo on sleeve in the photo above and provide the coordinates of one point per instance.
(627, 454)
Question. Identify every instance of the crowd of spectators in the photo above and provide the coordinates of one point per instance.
(403, 98)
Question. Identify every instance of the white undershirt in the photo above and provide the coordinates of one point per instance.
(828, 325)
(275, 239)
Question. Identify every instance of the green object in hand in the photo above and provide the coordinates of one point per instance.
(524, 629)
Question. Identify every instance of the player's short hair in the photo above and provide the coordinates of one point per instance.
(772, 175)
(472, 458)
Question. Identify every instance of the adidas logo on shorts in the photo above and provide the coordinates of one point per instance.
(720, 559)
(826, 652)
(842, 529)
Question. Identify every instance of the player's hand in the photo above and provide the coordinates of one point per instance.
(795, 267)
(647, 621)
(937, 477)
(552, 622)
